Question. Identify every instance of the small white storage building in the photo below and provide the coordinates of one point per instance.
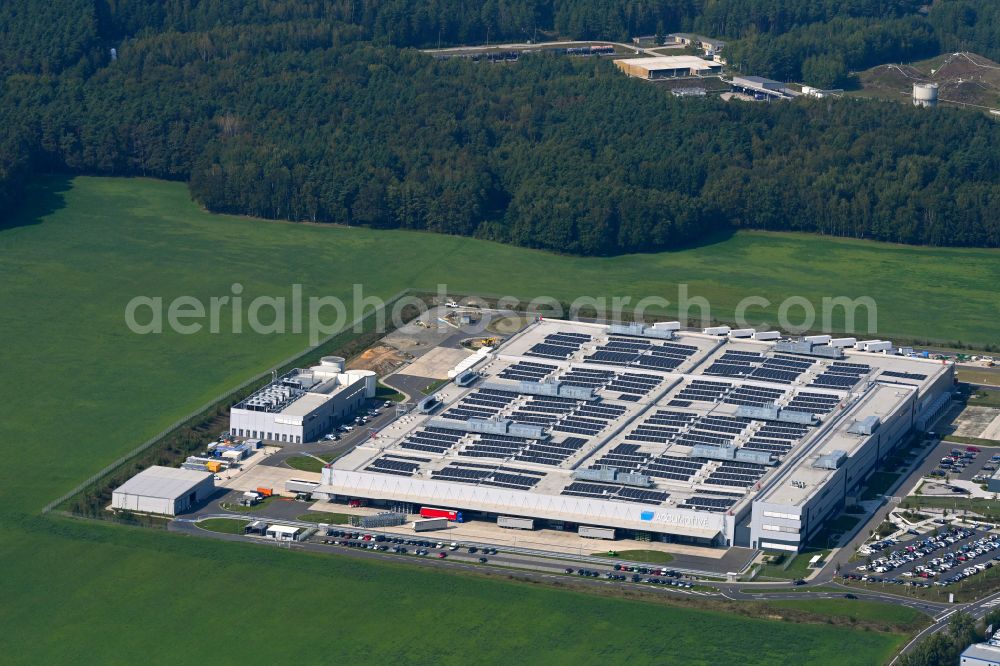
(282, 532)
(163, 490)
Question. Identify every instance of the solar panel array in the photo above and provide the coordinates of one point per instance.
(714, 431)
(781, 369)
(628, 384)
(431, 440)
(673, 468)
(624, 457)
(661, 427)
(812, 403)
(484, 404)
(641, 352)
(754, 396)
(528, 371)
(699, 390)
(903, 375)
(398, 465)
(776, 438)
(558, 345)
(550, 452)
(736, 474)
(589, 418)
(501, 477)
(734, 364)
(842, 375)
(703, 503)
(615, 492)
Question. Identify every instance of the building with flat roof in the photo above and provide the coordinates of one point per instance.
(698, 41)
(981, 654)
(667, 67)
(163, 490)
(714, 438)
(303, 405)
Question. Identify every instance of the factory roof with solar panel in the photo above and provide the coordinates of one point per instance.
(649, 428)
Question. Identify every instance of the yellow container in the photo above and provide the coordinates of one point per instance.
(213, 466)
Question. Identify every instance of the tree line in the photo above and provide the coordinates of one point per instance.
(277, 110)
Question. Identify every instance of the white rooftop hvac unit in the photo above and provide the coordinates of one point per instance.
(742, 333)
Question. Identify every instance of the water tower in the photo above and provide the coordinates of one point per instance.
(925, 94)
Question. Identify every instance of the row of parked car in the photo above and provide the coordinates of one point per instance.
(656, 571)
(380, 542)
(635, 577)
(917, 550)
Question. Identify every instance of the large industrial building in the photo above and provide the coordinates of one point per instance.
(723, 437)
(303, 405)
(163, 490)
(667, 67)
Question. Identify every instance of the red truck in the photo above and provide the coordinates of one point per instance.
(429, 512)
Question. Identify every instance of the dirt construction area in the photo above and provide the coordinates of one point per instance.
(381, 359)
(435, 363)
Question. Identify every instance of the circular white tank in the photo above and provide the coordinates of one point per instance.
(370, 379)
(332, 362)
(925, 94)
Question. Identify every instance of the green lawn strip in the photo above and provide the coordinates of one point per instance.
(956, 505)
(971, 441)
(383, 393)
(325, 517)
(223, 525)
(239, 508)
(895, 617)
(434, 386)
(782, 590)
(648, 556)
(797, 568)
(307, 463)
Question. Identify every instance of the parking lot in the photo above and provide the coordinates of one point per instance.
(965, 463)
(436, 549)
(948, 557)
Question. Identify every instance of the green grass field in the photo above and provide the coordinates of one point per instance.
(306, 463)
(235, 507)
(223, 525)
(82, 248)
(797, 568)
(325, 517)
(858, 610)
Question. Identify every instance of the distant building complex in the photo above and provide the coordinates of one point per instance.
(667, 67)
(724, 437)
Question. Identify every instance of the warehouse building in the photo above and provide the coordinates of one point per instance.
(303, 405)
(667, 67)
(718, 438)
(761, 87)
(709, 44)
(163, 490)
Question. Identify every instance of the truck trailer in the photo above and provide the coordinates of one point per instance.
(597, 532)
(516, 523)
(450, 514)
(428, 524)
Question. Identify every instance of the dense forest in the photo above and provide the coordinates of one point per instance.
(319, 110)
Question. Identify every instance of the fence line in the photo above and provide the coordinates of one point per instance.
(149, 443)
